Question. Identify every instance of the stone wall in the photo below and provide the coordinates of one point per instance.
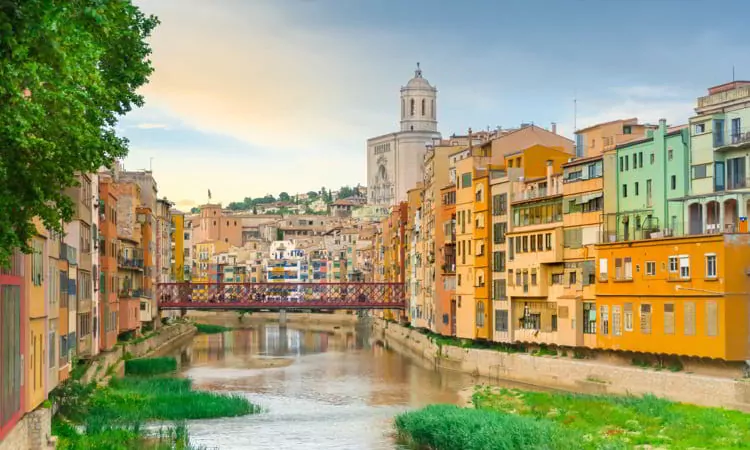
(33, 431)
(568, 373)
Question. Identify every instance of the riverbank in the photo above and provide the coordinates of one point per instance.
(115, 415)
(567, 373)
(514, 419)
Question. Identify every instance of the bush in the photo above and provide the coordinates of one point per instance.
(150, 366)
(211, 329)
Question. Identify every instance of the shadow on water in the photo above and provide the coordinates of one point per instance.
(322, 389)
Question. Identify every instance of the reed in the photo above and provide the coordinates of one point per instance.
(150, 366)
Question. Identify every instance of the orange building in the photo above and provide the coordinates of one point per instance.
(109, 325)
(445, 240)
(603, 137)
(148, 299)
(481, 244)
(674, 296)
(533, 160)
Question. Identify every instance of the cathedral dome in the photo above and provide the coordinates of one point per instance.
(418, 82)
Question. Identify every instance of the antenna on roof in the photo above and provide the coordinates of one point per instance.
(575, 113)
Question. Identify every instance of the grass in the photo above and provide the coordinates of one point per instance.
(150, 366)
(515, 419)
(112, 415)
(211, 329)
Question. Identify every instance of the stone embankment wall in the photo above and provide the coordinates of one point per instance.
(33, 432)
(567, 373)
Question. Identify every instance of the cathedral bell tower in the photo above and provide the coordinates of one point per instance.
(418, 104)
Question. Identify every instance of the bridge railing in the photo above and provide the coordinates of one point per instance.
(280, 294)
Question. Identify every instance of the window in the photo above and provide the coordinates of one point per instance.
(670, 154)
(499, 204)
(650, 268)
(700, 171)
(411, 107)
(673, 264)
(52, 351)
(533, 277)
(573, 277)
(699, 128)
(604, 316)
(645, 318)
(498, 261)
(616, 321)
(673, 182)
(636, 188)
(424, 109)
(589, 318)
(533, 244)
(622, 166)
(624, 190)
(558, 278)
(603, 269)
(626, 129)
(525, 245)
(689, 318)
(628, 316)
(669, 318)
(640, 159)
(501, 320)
(712, 318)
(85, 241)
(480, 314)
(498, 232)
(37, 262)
(548, 241)
(710, 265)
(84, 324)
(652, 158)
(466, 180)
(684, 266)
(499, 290)
(718, 132)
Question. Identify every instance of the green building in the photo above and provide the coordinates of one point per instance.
(720, 179)
(650, 174)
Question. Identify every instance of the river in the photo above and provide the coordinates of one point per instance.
(321, 388)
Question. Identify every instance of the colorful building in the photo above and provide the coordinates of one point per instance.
(177, 238)
(719, 195)
(35, 294)
(108, 283)
(148, 309)
(678, 296)
(482, 247)
(445, 241)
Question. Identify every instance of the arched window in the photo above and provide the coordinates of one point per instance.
(424, 102)
(411, 107)
(432, 108)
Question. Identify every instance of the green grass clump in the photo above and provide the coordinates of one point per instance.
(151, 366)
(137, 399)
(624, 422)
(211, 329)
(448, 427)
(98, 435)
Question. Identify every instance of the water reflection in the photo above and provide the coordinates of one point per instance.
(323, 390)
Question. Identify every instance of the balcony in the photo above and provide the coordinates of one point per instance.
(727, 138)
(129, 263)
(527, 290)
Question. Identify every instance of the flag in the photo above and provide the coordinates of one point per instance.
(209, 194)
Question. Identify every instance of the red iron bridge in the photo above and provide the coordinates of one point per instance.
(282, 296)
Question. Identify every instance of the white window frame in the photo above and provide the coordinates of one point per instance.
(603, 269)
(674, 264)
(708, 265)
(685, 267)
(651, 268)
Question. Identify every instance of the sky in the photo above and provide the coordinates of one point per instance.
(251, 97)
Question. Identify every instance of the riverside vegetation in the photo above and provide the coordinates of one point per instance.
(516, 419)
(113, 416)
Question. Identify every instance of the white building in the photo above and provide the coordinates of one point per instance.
(286, 263)
(395, 160)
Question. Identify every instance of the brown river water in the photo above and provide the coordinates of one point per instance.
(321, 389)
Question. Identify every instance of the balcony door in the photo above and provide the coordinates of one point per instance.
(736, 173)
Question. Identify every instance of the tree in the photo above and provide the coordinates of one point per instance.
(68, 70)
(284, 197)
(312, 195)
(195, 210)
(346, 192)
(237, 206)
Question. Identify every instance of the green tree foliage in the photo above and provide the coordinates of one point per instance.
(236, 206)
(312, 195)
(195, 210)
(284, 197)
(346, 192)
(68, 70)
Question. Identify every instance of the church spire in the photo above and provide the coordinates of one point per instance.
(418, 72)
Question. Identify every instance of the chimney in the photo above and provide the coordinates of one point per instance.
(662, 126)
(554, 127)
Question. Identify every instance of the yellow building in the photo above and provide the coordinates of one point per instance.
(178, 246)
(36, 360)
(417, 258)
(536, 274)
(481, 244)
(683, 296)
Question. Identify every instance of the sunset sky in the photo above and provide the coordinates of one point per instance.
(258, 96)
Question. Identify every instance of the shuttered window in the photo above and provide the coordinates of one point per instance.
(712, 318)
(689, 318)
(669, 318)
